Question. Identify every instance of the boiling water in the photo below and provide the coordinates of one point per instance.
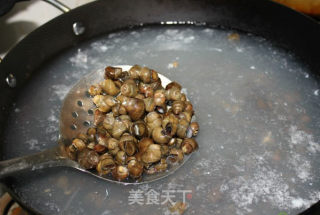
(258, 110)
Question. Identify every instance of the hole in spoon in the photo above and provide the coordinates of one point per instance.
(86, 123)
(80, 103)
(90, 111)
(73, 127)
(75, 114)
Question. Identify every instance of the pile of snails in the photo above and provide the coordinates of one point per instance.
(140, 127)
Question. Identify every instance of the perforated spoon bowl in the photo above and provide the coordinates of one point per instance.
(75, 117)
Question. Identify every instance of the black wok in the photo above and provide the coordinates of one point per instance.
(36, 74)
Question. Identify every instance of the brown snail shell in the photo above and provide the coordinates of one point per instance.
(127, 144)
(120, 157)
(112, 143)
(177, 107)
(118, 110)
(159, 97)
(108, 121)
(194, 126)
(113, 73)
(183, 97)
(106, 164)
(110, 87)
(95, 90)
(129, 88)
(135, 168)
(119, 127)
(153, 120)
(91, 132)
(103, 102)
(173, 85)
(146, 89)
(175, 155)
(173, 94)
(88, 159)
(135, 108)
(189, 145)
(98, 117)
(188, 107)
(152, 154)
(77, 145)
(149, 104)
(120, 173)
(186, 115)
(182, 128)
(145, 75)
(159, 135)
(170, 124)
(139, 129)
(144, 144)
(134, 72)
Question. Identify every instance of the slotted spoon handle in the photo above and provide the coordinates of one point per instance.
(45, 159)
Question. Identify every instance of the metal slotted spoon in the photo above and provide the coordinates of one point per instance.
(75, 117)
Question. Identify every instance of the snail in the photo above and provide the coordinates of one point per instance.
(153, 119)
(152, 154)
(127, 144)
(113, 73)
(88, 159)
(160, 135)
(178, 107)
(120, 173)
(135, 168)
(119, 127)
(118, 110)
(110, 87)
(173, 94)
(147, 75)
(186, 115)
(144, 144)
(135, 107)
(129, 88)
(134, 72)
(175, 155)
(77, 145)
(149, 104)
(106, 164)
(170, 124)
(146, 89)
(98, 117)
(120, 157)
(182, 128)
(189, 145)
(91, 145)
(188, 107)
(194, 126)
(139, 129)
(159, 97)
(91, 132)
(95, 90)
(173, 85)
(104, 102)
